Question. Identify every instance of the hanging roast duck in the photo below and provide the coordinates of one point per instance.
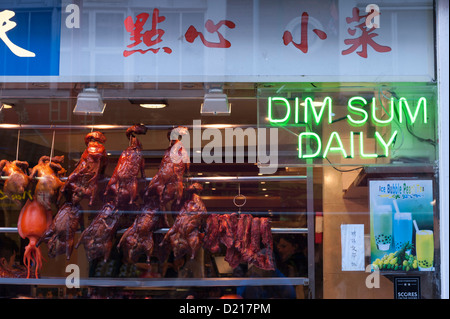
(123, 184)
(83, 182)
(138, 238)
(168, 181)
(186, 234)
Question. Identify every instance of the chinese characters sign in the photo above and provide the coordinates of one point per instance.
(280, 41)
(352, 244)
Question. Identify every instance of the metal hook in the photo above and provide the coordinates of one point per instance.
(239, 195)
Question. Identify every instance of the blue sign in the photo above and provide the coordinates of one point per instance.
(30, 41)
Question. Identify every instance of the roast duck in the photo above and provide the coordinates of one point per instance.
(123, 184)
(83, 181)
(139, 239)
(168, 181)
(98, 238)
(186, 234)
(59, 236)
(247, 239)
(18, 180)
(47, 173)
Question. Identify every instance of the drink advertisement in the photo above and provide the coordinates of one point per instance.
(401, 225)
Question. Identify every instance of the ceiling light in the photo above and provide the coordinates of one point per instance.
(89, 102)
(216, 103)
(5, 106)
(150, 103)
(153, 105)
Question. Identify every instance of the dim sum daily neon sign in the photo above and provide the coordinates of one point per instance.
(359, 112)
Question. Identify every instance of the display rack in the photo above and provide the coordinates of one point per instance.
(191, 282)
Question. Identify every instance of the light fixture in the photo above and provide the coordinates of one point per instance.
(153, 105)
(215, 103)
(4, 106)
(89, 102)
(150, 103)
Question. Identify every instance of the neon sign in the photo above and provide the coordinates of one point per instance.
(282, 113)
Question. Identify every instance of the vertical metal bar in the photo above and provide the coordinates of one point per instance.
(442, 21)
(311, 229)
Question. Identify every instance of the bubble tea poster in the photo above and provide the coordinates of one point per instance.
(401, 225)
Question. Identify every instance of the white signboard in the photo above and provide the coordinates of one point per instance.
(352, 244)
(244, 41)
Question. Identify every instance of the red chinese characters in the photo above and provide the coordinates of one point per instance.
(192, 33)
(365, 39)
(150, 38)
(303, 45)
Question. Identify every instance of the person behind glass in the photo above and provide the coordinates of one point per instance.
(9, 251)
(291, 261)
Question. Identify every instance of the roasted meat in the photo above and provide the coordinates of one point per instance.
(168, 181)
(60, 235)
(138, 238)
(48, 172)
(124, 182)
(211, 241)
(248, 239)
(18, 180)
(186, 234)
(220, 229)
(98, 238)
(83, 182)
(12, 272)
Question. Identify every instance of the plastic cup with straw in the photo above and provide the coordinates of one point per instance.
(424, 248)
(403, 228)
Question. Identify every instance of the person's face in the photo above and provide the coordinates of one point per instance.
(285, 249)
(9, 263)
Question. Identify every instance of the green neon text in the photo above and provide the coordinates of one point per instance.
(359, 111)
(335, 145)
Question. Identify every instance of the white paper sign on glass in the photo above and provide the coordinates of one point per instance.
(352, 245)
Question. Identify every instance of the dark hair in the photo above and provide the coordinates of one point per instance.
(296, 240)
(7, 247)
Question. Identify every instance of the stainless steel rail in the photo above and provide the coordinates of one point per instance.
(275, 230)
(262, 178)
(118, 127)
(161, 282)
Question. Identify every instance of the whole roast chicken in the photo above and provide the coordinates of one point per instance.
(18, 180)
(98, 238)
(186, 234)
(168, 181)
(59, 236)
(124, 181)
(83, 182)
(138, 238)
(48, 172)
